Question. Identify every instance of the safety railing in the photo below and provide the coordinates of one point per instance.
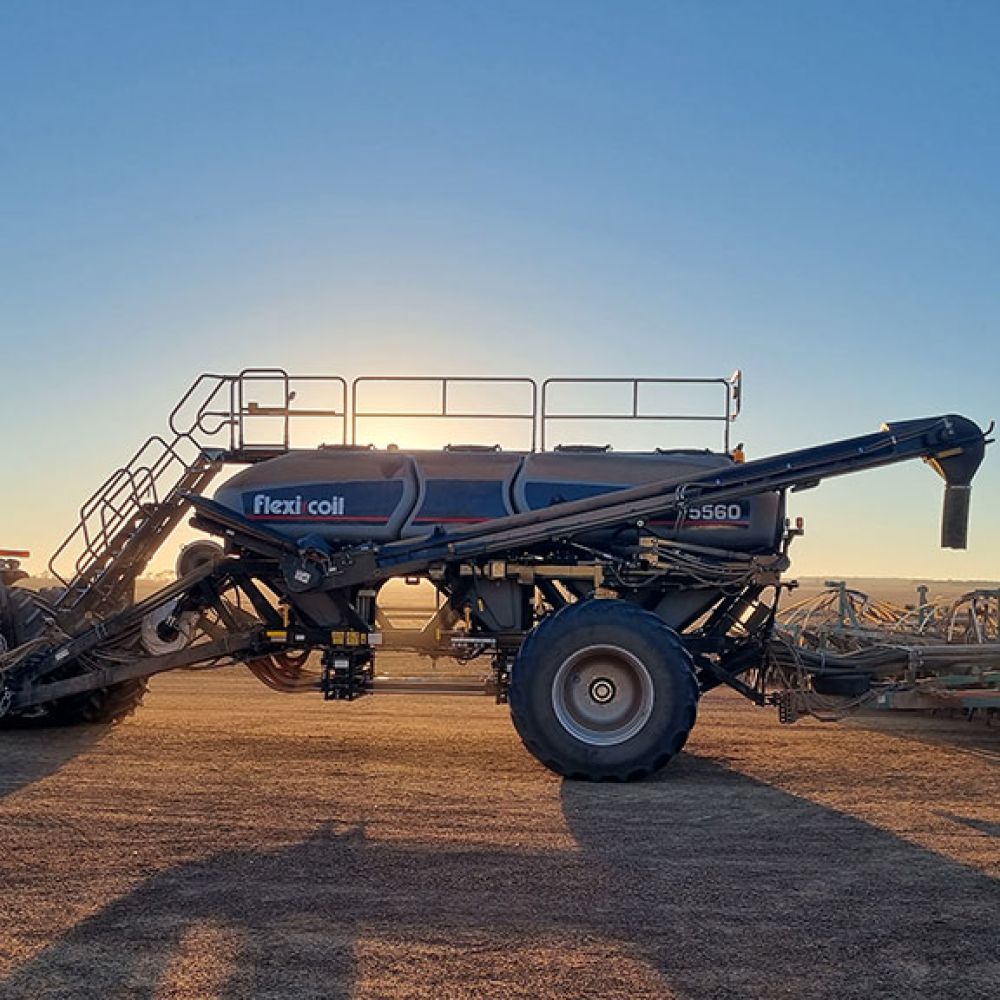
(442, 404)
(631, 402)
(232, 412)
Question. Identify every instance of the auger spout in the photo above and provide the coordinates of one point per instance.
(961, 447)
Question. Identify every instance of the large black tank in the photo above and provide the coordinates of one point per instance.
(350, 494)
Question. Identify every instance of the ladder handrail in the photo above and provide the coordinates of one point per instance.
(121, 496)
(210, 419)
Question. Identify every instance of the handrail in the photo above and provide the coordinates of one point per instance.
(733, 389)
(214, 414)
(443, 411)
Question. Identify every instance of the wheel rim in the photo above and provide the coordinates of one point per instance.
(602, 695)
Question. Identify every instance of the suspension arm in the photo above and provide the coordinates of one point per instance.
(40, 694)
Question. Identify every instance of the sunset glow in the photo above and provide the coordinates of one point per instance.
(660, 198)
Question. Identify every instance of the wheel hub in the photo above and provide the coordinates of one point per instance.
(602, 695)
(602, 690)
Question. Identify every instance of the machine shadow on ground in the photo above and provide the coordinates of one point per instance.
(710, 883)
(30, 755)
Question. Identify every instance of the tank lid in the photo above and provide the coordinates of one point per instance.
(691, 451)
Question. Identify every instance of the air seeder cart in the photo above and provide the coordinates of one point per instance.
(608, 590)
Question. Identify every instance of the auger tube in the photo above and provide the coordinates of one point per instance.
(953, 445)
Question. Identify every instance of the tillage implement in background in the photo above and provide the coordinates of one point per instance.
(608, 590)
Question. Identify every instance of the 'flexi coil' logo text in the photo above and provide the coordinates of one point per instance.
(264, 505)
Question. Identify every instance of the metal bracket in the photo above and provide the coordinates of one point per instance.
(757, 697)
(347, 673)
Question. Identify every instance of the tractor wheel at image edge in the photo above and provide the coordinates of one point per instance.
(603, 691)
(22, 619)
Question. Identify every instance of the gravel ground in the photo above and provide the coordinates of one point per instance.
(230, 842)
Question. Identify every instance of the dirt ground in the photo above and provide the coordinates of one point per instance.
(230, 842)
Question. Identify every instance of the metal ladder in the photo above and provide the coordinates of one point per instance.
(127, 519)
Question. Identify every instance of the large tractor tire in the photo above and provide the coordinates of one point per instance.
(603, 691)
(22, 618)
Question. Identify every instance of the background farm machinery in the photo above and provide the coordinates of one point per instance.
(930, 654)
(607, 590)
(10, 566)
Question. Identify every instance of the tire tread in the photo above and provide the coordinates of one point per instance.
(620, 613)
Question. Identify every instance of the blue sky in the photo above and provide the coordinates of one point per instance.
(808, 191)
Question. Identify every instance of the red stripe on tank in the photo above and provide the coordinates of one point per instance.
(318, 517)
(450, 520)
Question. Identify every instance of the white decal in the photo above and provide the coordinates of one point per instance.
(265, 505)
(716, 512)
